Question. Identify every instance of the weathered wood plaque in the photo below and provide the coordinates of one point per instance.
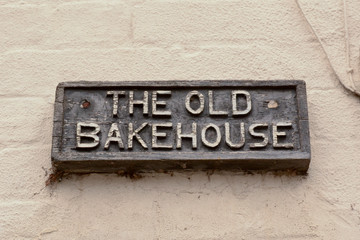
(199, 125)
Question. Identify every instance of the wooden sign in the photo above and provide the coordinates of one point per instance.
(142, 126)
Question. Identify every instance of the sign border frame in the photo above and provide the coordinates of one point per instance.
(154, 161)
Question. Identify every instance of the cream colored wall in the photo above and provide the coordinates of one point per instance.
(43, 43)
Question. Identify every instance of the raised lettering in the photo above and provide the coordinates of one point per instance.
(116, 95)
(156, 134)
(211, 106)
(228, 137)
(234, 95)
(155, 103)
(92, 134)
(276, 134)
(201, 100)
(218, 136)
(257, 134)
(135, 133)
(114, 130)
(144, 102)
(180, 135)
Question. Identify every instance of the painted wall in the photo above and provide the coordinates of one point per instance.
(43, 43)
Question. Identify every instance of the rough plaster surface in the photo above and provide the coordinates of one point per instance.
(45, 42)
